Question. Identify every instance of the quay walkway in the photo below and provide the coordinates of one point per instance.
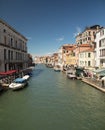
(94, 83)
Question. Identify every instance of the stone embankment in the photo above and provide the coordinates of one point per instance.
(94, 83)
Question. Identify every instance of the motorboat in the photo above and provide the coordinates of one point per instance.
(49, 65)
(57, 68)
(18, 83)
(71, 76)
(26, 77)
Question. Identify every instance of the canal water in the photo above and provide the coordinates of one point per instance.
(51, 101)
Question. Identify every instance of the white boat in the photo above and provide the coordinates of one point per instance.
(18, 83)
(57, 68)
(71, 76)
(26, 77)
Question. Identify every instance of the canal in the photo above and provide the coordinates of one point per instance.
(51, 101)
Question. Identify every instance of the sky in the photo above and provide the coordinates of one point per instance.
(48, 24)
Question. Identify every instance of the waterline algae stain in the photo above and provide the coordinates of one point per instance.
(53, 102)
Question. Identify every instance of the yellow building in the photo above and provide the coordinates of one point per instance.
(69, 55)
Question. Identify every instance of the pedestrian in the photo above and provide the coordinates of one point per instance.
(102, 83)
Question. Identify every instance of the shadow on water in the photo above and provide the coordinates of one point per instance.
(3, 91)
(37, 72)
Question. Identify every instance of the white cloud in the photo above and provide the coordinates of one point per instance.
(60, 39)
(78, 30)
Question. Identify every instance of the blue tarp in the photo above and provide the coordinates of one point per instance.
(19, 80)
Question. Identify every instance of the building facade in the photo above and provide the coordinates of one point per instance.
(13, 48)
(80, 48)
(87, 58)
(100, 48)
(88, 35)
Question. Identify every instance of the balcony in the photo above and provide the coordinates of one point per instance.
(14, 61)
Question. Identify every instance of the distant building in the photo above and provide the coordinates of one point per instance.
(88, 35)
(100, 48)
(66, 55)
(13, 48)
(69, 55)
(55, 59)
(60, 56)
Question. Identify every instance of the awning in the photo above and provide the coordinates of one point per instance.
(8, 72)
(99, 71)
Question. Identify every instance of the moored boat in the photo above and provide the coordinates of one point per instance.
(26, 77)
(71, 76)
(71, 73)
(49, 65)
(57, 68)
(18, 83)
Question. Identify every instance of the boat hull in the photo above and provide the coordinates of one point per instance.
(18, 83)
(15, 86)
(71, 76)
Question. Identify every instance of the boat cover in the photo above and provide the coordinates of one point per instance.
(19, 80)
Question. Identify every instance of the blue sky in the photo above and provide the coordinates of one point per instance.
(48, 24)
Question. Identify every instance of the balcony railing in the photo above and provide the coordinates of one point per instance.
(13, 61)
(12, 47)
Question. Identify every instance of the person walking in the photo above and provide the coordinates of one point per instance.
(102, 83)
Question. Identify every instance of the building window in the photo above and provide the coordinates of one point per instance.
(5, 67)
(11, 55)
(85, 63)
(89, 54)
(102, 43)
(102, 32)
(81, 55)
(94, 33)
(73, 54)
(89, 63)
(102, 52)
(5, 51)
(89, 38)
(11, 41)
(5, 40)
(4, 30)
(89, 33)
(8, 54)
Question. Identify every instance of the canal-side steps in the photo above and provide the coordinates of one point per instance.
(94, 83)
